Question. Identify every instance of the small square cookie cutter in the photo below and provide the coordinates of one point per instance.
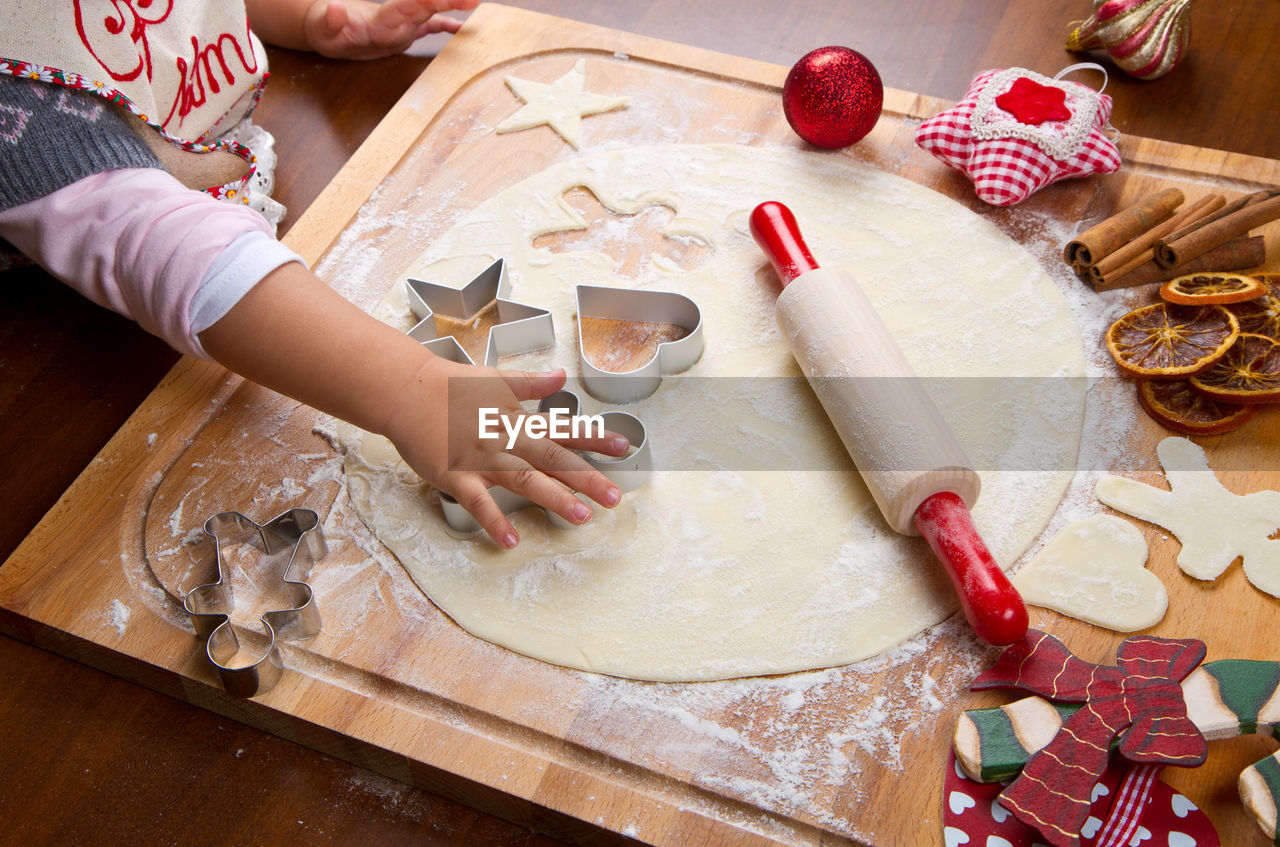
(209, 605)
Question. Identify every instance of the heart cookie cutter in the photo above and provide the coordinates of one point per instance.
(671, 357)
(296, 531)
(520, 328)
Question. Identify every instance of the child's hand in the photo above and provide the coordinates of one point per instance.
(455, 459)
(361, 29)
(296, 335)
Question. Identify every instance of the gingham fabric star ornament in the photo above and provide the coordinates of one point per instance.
(1017, 131)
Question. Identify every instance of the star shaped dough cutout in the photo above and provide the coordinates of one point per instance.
(1215, 526)
(560, 105)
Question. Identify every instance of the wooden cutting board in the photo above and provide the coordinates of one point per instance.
(849, 755)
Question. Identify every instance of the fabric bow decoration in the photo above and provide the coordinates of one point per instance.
(1138, 702)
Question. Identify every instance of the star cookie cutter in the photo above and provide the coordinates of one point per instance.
(632, 305)
(520, 328)
(627, 472)
(296, 531)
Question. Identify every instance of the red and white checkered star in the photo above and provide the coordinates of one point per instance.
(1009, 158)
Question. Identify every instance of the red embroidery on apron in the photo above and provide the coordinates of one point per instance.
(94, 26)
(199, 71)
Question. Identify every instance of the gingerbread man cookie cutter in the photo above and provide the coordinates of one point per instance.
(297, 532)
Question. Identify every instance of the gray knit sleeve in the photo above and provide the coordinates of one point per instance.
(51, 136)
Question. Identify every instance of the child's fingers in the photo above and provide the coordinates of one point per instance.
(608, 442)
(557, 463)
(334, 20)
(449, 5)
(533, 385)
(445, 23)
(473, 495)
(575, 433)
(428, 27)
(407, 15)
(515, 474)
(439, 23)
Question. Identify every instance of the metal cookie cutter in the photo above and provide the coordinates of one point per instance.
(671, 357)
(523, 329)
(520, 328)
(298, 531)
(627, 472)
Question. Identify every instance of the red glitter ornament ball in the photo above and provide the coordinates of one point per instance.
(833, 96)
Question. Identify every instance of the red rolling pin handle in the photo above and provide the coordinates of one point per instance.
(991, 604)
(775, 229)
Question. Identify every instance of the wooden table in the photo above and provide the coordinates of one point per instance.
(94, 757)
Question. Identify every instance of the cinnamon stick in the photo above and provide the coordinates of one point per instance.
(1139, 250)
(1234, 206)
(1092, 245)
(1239, 253)
(1257, 209)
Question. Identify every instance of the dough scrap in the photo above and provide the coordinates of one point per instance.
(560, 105)
(755, 548)
(1093, 570)
(1215, 526)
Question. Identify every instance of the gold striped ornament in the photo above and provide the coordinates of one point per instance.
(1146, 38)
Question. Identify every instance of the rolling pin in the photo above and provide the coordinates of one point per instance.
(916, 470)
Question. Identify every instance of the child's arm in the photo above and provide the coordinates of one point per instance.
(180, 263)
(351, 29)
(294, 334)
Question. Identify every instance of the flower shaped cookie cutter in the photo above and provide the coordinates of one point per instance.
(297, 532)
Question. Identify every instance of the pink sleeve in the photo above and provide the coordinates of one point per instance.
(135, 241)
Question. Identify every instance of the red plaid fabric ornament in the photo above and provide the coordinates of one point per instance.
(1017, 131)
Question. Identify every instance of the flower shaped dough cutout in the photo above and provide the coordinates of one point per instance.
(1215, 526)
(1017, 131)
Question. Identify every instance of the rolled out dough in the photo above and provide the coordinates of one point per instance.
(755, 548)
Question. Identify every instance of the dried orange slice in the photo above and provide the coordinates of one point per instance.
(1248, 373)
(1178, 406)
(1261, 315)
(1202, 289)
(1166, 341)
